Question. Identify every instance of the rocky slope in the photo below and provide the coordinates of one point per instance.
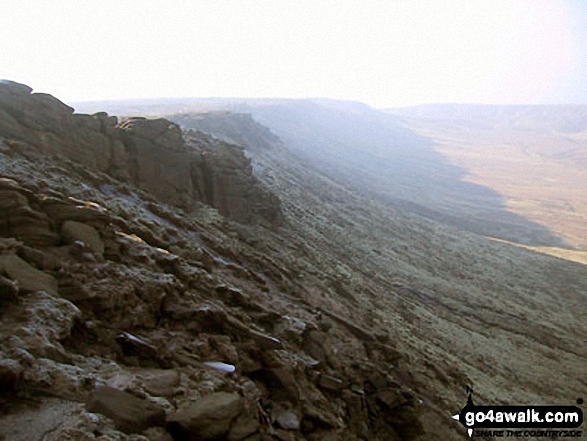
(134, 308)
(467, 310)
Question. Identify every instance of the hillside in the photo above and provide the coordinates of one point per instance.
(145, 296)
(461, 308)
(396, 160)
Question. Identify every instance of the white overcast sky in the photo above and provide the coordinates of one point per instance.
(385, 53)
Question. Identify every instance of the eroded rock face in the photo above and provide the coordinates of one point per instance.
(149, 153)
(219, 180)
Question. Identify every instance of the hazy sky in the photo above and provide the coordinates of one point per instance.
(385, 53)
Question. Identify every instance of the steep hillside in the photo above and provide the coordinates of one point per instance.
(466, 309)
(411, 162)
(382, 316)
(132, 314)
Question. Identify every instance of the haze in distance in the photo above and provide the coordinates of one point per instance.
(386, 54)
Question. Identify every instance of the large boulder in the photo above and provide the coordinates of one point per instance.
(73, 231)
(44, 322)
(130, 414)
(210, 418)
(29, 279)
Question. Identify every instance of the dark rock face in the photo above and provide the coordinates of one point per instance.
(223, 177)
(149, 153)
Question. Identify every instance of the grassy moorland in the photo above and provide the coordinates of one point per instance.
(534, 157)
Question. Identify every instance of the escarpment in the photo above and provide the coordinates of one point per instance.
(130, 310)
(151, 154)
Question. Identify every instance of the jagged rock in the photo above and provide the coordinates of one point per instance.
(130, 414)
(149, 153)
(317, 344)
(185, 285)
(59, 379)
(210, 418)
(29, 279)
(40, 259)
(130, 296)
(73, 231)
(70, 209)
(223, 178)
(233, 297)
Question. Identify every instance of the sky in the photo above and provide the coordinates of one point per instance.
(385, 53)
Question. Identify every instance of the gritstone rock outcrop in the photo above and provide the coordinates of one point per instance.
(149, 153)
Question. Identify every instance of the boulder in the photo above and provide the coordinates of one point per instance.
(29, 279)
(210, 418)
(61, 210)
(286, 419)
(45, 321)
(129, 413)
(73, 231)
(36, 111)
(162, 383)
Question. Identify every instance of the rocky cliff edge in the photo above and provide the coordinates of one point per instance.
(151, 154)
